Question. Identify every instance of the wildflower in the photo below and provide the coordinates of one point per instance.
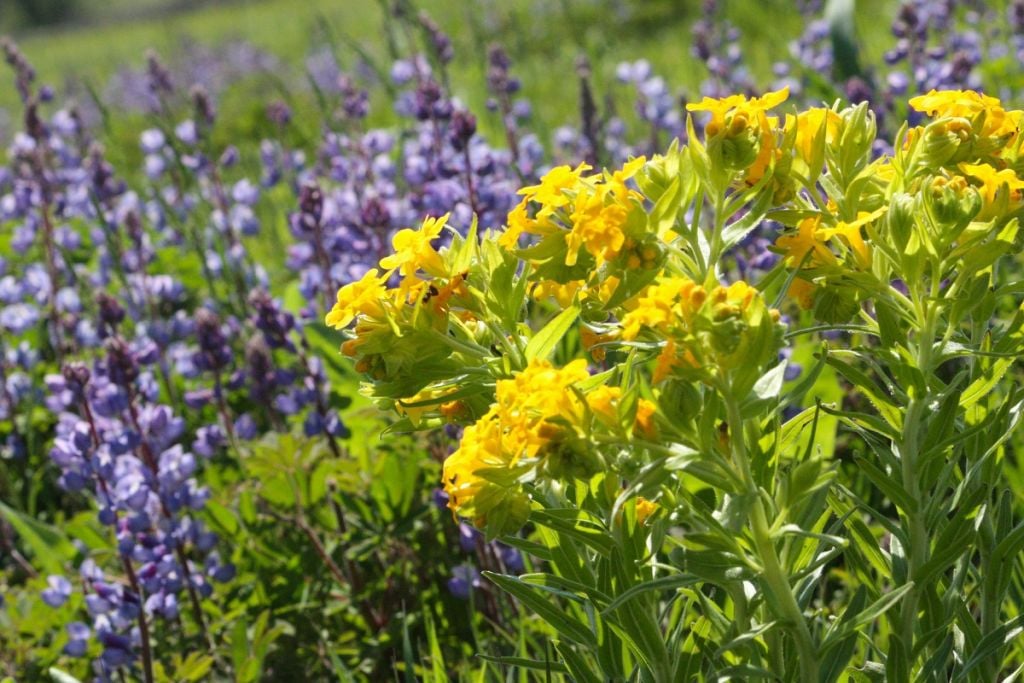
(592, 340)
(562, 293)
(743, 129)
(645, 509)
(806, 241)
(736, 105)
(995, 186)
(58, 591)
(644, 422)
(671, 358)
(603, 402)
(531, 420)
(413, 251)
(518, 222)
(597, 220)
(802, 292)
(617, 180)
(479, 448)
(850, 233)
(817, 126)
(550, 193)
(415, 406)
(672, 301)
(362, 297)
(968, 104)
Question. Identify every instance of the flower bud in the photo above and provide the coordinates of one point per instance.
(858, 132)
(946, 141)
(900, 219)
(952, 203)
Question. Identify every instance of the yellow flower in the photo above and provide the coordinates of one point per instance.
(968, 104)
(603, 402)
(809, 125)
(533, 397)
(362, 297)
(850, 232)
(807, 240)
(562, 293)
(407, 407)
(530, 411)
(413, 251)
(644, 423)
(660, 306)
(738, 119)
(591, 340)
(597, 221)
(644, 509)
(803, 292)
(737, 104)
(550, 193)
(479, 448)
(959, 103)
(992, 182)
(672, 356)
(519, 221)
(618, 179)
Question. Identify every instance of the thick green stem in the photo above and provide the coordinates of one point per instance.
(918, 538)
(779, 594)
(779, 590)
(917, 533)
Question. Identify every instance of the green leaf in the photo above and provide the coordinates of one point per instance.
(1011, 545)
(543, 344)
(577, 665)
(886, 483)
(566, 587)
(223, 518)
(664, 583)
(844, 627)
(524, 663)
(58, 676)
(765, 392)
(991, 644)
(574, 524)
(886, 408)
(951, 543)
(193, 668)
(565, 625)
(50, 547)
(842, 648)
(437, 666)
(982, 387)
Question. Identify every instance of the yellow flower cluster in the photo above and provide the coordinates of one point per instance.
(590, 212)
(984, 113)
(636, 264)
(533, 419)
(809, 246)
(672, 302)
(743, 131)
(704, 332)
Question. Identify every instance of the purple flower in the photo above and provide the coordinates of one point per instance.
(78, 639)
(58, 592)
(464, 579)
(17, 318)
(468, 537)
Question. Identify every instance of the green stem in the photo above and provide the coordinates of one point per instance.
(917, 532)
(779, 594)
(777, 583)
(714, 253)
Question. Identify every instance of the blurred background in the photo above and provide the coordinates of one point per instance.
(95, 50)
